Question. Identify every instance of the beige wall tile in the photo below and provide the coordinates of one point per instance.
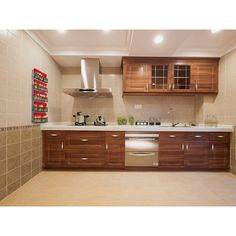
(13, 176)
(3, 181)
(35, 164)
(35, 171)
(25, 178)
(36, 132)
(26, 169)
(26, 133)
(25, 157)
(13, 162)
(26, 146)
(3, 193)
(3, 139)
(36, 152)
(12, 187)
(36, 142)
(13, 136)
(13, 150)
(3, 153)
(3, 167)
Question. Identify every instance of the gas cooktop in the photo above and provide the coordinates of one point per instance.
(90, 124)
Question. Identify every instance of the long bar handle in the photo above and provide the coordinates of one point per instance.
(115, 135)
(84, 158)
(220, 136)
(197, 136)
(186, 147)
(172, 136)
(142, 154)
(62, 145)
(182, 147)
(54, 135)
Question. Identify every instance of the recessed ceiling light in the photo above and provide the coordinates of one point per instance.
(158, 39)
(215, 31)
(106, 30)
(61, 31)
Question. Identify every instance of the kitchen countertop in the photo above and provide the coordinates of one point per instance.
(115, 127)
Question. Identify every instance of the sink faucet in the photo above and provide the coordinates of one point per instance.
(171, 114)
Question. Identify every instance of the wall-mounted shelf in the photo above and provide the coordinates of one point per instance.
(39, 96)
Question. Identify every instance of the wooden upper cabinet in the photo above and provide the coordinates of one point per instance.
(155, 76)
(205, 76)
(136, 77)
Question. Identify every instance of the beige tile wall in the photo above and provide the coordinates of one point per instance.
(110, 108)
(20, 157)
(20, 148)
(19, 54)
(222, 105)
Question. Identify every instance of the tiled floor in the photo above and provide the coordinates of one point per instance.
(101, 188)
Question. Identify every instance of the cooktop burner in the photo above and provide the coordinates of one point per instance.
(90, 124)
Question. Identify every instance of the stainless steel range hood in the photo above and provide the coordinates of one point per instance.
(90, 81)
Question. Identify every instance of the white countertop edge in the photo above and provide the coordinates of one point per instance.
(113, 127)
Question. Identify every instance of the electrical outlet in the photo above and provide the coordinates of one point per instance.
(138, 106)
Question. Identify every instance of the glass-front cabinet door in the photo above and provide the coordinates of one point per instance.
(182, 79)
(160, 78)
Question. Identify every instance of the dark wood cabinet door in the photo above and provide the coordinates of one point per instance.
(115, 150)
(219, 150)
(205, 76)
(136, 77)
(171, 150)
(53, 149)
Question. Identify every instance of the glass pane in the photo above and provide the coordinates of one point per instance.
(159, 76)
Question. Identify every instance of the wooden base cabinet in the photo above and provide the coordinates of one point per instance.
(199, 151)
(83, 149)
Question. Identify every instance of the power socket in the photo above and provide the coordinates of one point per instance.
(138, 106)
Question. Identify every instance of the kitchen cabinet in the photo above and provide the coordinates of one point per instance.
(205, 76)
(136, 77)
(84, 149)
(115, 150)
(159, 76)
(171, 150)
(219, 150)
(53, 143)
(194, 150)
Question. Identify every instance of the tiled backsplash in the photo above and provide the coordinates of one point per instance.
(20, 157)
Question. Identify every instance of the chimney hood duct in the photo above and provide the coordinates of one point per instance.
(90, 81)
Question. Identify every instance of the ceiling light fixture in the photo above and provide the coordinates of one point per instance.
(158, 39)
(215, 31)
(106, 30)
(61, 31)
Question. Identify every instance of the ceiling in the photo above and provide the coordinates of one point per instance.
(68, 47)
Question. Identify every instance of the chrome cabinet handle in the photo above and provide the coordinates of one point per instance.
(197, 136)
(212, 147)
(169, 86)
(173, 86)
(141, 154)
(84, 158)
(186, 147)
(115, 135)
(220, 136)
(172, 136)
(62, 145)
(106, 146)
(196, 86)
(84, 140)
(182, 147)
(54, 135)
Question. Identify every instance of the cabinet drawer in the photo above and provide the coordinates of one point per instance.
(221, 137)
(115, 137)
(196, 137)
(171, 161)
(84, 159)
(53, 135)
(85, 140)
(171, 136)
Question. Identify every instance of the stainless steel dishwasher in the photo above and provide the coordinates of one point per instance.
(141, 149)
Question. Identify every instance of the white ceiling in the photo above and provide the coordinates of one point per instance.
(69, 47)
